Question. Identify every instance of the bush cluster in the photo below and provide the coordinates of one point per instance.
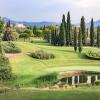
(46, 80)
(10, 47)
(40, 54)
(97, 82)
(93, 54)
(5, 68)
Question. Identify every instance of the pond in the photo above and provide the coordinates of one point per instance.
(78, 77)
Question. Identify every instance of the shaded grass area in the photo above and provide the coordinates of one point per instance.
(27, 68)
(73, 94)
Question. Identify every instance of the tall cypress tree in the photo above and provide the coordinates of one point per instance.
(64, 21)
(98, 37)
(68, 30)
(80, 41)
(83, 30)
(63, 25)
(75, 39)
(92, 33)
(62, 37)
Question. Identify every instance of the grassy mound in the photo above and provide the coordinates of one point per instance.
(93, 54)
(10, 47)
(46, 80)
(40, 54)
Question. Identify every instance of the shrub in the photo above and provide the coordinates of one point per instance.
(10, 36)
(40, 54)
(46, 80)
(93, 54)
(97, 82)
(93, 80)
(5, 68)
(10, 47)
(1, 49)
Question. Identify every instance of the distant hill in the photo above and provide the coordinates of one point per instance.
(30, 23)
(96, 23)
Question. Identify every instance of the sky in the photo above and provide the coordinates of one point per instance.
(49, 10)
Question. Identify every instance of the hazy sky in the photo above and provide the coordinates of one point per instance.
(49, 10)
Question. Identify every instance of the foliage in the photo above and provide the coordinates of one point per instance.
(5, 68)
(29, 32)
(1, 49)
(8, 33)
(63, 31)
(93, 80)
(14, 36)
(40, 54)
(68, 36)
(1, 25)
(80, 41)
(93, 54)
(75, 39)
(97, 82)
(24, 36)
(98, 36)
(83, 29)
(92, 33)
(46, 80)
(10, 47)
(37, 31)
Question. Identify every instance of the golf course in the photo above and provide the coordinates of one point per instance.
(26, 69)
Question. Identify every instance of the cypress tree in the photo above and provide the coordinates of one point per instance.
(64, 21)
(68, 33)
(52, 37)
(98, 37)
(62, 38)
(75, 39)
(83, 30)
(80, 41)
(92, 33)
(63, 29)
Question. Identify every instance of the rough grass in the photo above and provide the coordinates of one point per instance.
(73, 94)
(27, 68)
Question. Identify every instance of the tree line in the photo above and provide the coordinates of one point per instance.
(70, 35)
(66, 34)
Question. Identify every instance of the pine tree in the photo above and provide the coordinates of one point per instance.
(68, 30)
(80, 41)
(75, 39)
(83, 30)
(98, 37)
(92, 33)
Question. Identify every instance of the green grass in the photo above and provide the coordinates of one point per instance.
(27, 68)
(73, 94)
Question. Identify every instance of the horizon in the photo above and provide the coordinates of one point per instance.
(49, 11)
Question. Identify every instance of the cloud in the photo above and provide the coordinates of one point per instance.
(87, 3)
(49, 10)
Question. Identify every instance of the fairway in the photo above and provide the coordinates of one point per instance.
(27, 68)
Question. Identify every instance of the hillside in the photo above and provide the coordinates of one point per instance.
(26, 68)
